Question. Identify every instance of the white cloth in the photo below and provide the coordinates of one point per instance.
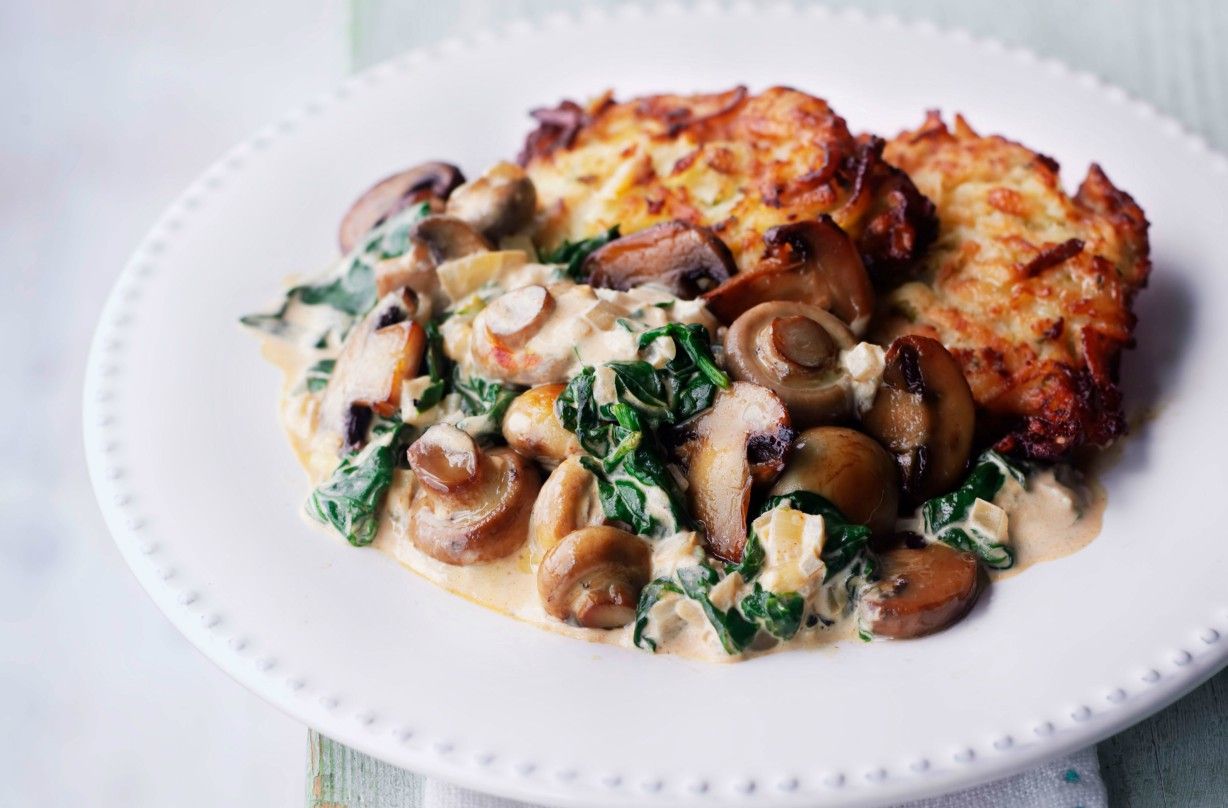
(1069, 782)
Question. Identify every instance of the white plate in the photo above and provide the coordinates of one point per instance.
(202, 492)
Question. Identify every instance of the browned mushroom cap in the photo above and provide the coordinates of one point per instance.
(593, 577)
(472, 506)
(448, 237)
(850, 470)
(924, 415)
(921, 591)
(380, 352)
(743, 439)
(531, 427)
(793, 349)
(498, 203)
(811, 262)
(683, 258)
(389, 196)
(569, 500)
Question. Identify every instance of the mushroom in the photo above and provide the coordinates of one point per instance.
(531, 427)
(793, 349)
(811, 262)
(683, 258)
(849, 469)
(924, 414)
(594, 576)
(431, 182)
(380, 352)
(921, 590)
(449, 238)
(514, 317)
(568, 501)
(742, 440)
(472, 505)
(498, 203)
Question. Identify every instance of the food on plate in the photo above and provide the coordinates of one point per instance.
(709, 375)
(1029, 288)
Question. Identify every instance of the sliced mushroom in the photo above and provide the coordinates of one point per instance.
(380, 352)
(921, 591)
(849, 469)
(742, 440)
(472, 505)
(685, 259)
(594, 576)
(514, 317)
(810, 262)
(498, 203)
(449, 238)
(532, 428)
(924, 414)
(568, 501)
(794, 350)
(427, 182)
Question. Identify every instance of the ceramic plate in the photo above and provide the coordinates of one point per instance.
(203, 494)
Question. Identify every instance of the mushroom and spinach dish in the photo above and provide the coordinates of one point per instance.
(712, 375)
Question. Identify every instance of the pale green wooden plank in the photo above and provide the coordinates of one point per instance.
(339, 777)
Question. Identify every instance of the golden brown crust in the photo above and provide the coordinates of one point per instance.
(735, 162)
(1030, 288)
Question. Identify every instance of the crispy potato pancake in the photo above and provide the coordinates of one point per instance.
(737, 163)
(1030, 288)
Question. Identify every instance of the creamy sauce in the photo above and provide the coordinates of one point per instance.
(1052, 518)
(1056, 513)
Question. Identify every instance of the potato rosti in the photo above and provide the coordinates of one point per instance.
(1030, 288)
(737, 163)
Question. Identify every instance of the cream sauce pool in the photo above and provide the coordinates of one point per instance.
(1058, 513)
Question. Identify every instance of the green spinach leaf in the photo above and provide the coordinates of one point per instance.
(316, 377)
(571, 254)
(648, 598)
(846, 542)
(944, 516)
(778, 614)
(351, 499)
(734, 631)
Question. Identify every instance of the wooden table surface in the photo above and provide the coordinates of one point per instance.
(1169, 53)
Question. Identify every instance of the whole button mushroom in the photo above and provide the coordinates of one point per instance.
(531, 427)
(472, 506)
(920, 591)
(794, 350)
(924, 414)
(428, 182)
(568, 501)
(742, 440)
(849, 469)
(810, 262)
(684, 258)
(448, 238)
(498, 203)
(593, 577)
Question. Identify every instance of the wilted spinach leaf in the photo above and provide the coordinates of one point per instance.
(944, 516)
(572, 253)
(846, 542)
(779, 614)
(734, 631)
(648, 598)
(438, 366)
(350, 500)
(316, 377)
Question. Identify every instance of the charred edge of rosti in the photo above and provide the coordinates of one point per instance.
(1081, 407)
(898, 222)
